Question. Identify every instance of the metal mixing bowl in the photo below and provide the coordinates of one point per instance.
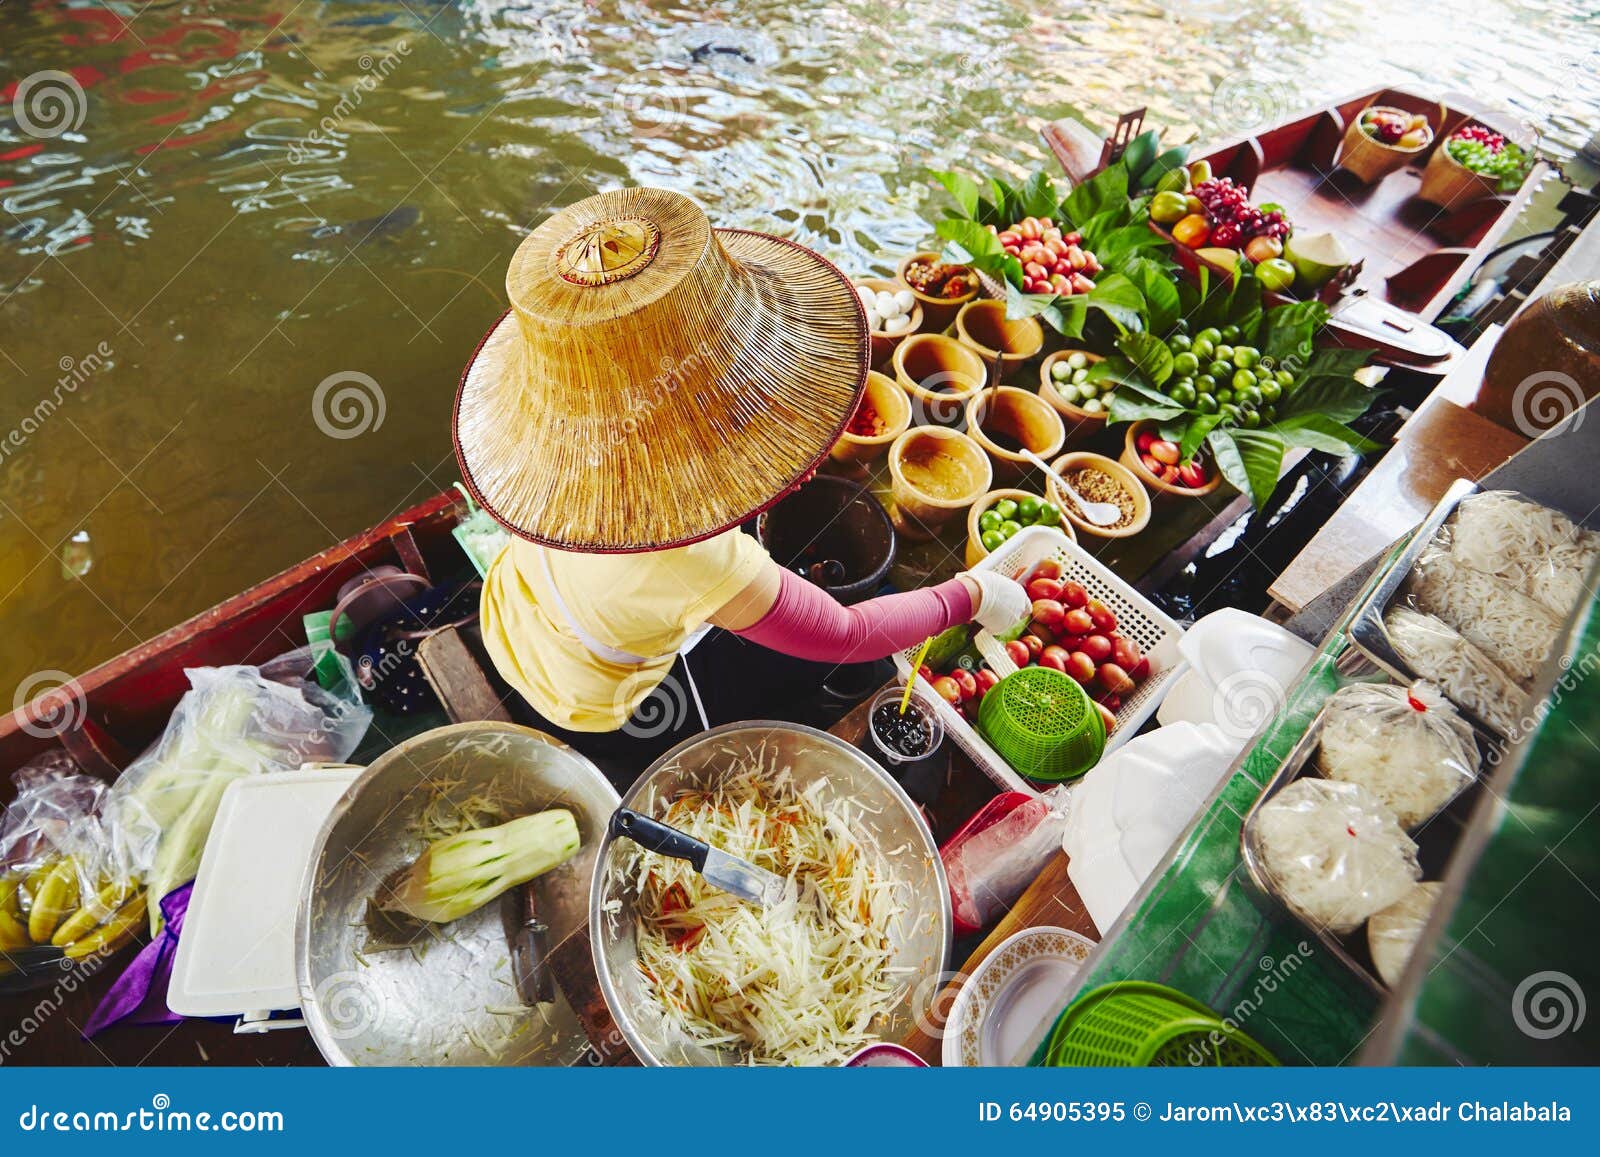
(890, 824)
(451, 999)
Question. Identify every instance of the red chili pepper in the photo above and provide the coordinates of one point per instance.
(1416, 704)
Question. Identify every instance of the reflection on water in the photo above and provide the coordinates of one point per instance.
(245, 248)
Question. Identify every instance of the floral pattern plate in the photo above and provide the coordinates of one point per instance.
(1002, 1013)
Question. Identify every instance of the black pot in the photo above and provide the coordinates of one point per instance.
(832, 520)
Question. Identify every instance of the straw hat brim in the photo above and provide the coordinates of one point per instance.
(660, 480)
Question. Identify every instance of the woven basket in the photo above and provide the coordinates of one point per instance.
(1448, 183)
(1372, 160)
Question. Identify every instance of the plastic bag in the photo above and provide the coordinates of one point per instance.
(1333, 852)
(1471, 680)
(1539, 551)
(991, 869)
(1392, 934)
(1407, 747)
(231, 723)
(1514, 631)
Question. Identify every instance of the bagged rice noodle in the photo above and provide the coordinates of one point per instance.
(1408, 748)
(1465, 674)
(1515, 631)
(1333, 852)
(1392, 934)
(1539, 551)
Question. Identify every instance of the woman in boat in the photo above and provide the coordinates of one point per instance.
(655, 384)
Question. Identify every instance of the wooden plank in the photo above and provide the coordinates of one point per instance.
(452, 670)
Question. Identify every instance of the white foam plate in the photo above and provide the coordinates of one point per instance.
(1003, 1012)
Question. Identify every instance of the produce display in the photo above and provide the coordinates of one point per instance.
(887, 312)
(1070, 378)
(1489, 154)
(1164, 459)
(802, 983)
(1333, 852)
(1396, 129)
(457, 875)
(1214, 211)
(1407, 746)
(1052, 261)
(1009, 516)
(1392, 934)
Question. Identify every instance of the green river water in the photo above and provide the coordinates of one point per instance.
(178, 272)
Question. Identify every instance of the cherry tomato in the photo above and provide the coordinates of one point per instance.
(1114, 679)
(1019, 653)
(1078, 622)
(1034, 644)
(1107, 716)
(1104, 621)
(1048, 569)
(949, 690)
(1048, 613)
(985, 679)
(966, 681)
(1081, 667)
(1097, 647)
(1140, 671)
(1054, 657)
(1124, 652)
(1073, 595)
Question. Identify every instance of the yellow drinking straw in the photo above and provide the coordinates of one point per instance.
(905, 700)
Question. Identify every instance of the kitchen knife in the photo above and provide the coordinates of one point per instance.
(529, 937)
(738, 877)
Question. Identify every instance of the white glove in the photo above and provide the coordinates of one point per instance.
(1003, 606)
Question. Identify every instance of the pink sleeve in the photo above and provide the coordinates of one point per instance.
(808, 623)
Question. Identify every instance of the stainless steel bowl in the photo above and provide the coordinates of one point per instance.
(891, 823)
(450, 1000)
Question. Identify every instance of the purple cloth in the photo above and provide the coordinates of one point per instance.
(139, 995)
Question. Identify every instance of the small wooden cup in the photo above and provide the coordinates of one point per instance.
(1019, 415)
(937, 312)
(1080, 425)
(1130, 459)
(976, 552)
(918, 510)
(886, 397)
(884, 344)
(1448, 183)
(1371, 160)
(939, 375)
(983, 327)
(1082, 459)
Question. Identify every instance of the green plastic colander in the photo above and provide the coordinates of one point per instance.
(1043, 724)
(1137, 1023)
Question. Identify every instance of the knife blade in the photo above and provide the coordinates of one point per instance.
(528, 936)
(735, 876)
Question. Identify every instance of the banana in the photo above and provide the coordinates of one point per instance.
(32, 882)
(95, 909)
(10, 885)
(55, 897)
(112, 934)
(13, 932)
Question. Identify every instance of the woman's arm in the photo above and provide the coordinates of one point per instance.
(785, 613)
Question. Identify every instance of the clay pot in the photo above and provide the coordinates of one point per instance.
(937, 312)
(1080, 460)
(1130, 459)
(940, 375)
(1019, 417)
(934, 473)
(1000, 341)
(890, 401)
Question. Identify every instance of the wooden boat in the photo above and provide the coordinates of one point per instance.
(1412, 257)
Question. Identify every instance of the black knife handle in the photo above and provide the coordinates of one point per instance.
(655, 836)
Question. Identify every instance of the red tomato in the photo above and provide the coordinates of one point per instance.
(1018, 650)
(1143, 441)
(1097, 647)
(1164, 452)
(949, 690)
(1044, 588)
(1080, 667)
(1107, 716)
(1072, 642)
(1124, 652)
(1073, 595)
(1114, 679)
(1140, 671)
(1192, 475)
(986, 679)
(1077, 622)
(1104, 621)
(1054, 657)
(1048, 613)
(926, 672)
(1034, 644)
(1049, 568)
(966, 681)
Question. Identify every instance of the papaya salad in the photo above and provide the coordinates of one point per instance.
(807, 982)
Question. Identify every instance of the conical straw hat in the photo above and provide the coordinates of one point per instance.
(655, 381)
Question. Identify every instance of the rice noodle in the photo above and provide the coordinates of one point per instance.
(1539, 551)
(808, 982)
(1438, 653)
(1516, 632)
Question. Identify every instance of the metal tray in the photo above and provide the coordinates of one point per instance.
(1436, 841)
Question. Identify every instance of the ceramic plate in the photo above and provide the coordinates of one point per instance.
(1002, 1013)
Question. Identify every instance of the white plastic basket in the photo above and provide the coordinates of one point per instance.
(1137, 618)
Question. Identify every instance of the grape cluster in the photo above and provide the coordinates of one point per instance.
(1235, 220)
(1487, 153)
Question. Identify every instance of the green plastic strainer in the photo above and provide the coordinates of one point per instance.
(1137, 1023)
(1043, 724)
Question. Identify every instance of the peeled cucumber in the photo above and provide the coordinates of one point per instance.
(459, 874)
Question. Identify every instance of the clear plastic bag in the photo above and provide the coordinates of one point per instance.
(232, 722)
(1392, 934)
(991, 869)
(1514, 631)
(1333, 853)
(1408, 747)
(1540, 552)
(1468, 677)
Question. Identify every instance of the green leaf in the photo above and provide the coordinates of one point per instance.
(1249, 459)
(1068, 315)
(1343, 399)
(1020, 305)
(972, 238)
(1335, 361)
(965, 191)
(1202, 425)
(1287, 332)
(1116, 297)
(1141, 151)
(1128, 407)
(1149, 353)
(1037, 197)
(1118, 246)
(1150, 277)
(1320, 432)
(1107, 189)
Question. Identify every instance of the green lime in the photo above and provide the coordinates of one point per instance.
(1009, 529)
(1006, 508)
(1245, 356)
(1206, 404)
(1285, 378)
(1243, 378)
(992, 539)
(1205, 384)
(1183, 393)
(1221, 370)
(1269, 414)
(1203, 348)
(1224, 396)
(1186, 365)
(1230, 334)
(1028, 510)
(990, 520)
(1231, 413)
(1248, 396)
(1179, 343)
(1271, 391)
(1211, 334)
(1181, 326)
(1224, 352)
(1049, 514)
(1250, 419)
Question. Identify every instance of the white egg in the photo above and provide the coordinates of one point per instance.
(873, 320)
(897, 323)
(887, 306)
(869, 297)
(906, 299)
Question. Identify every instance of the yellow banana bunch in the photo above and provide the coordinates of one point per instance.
(44, 907)
(96, 909)
(113, 934)
(13, 930)
(55, 897)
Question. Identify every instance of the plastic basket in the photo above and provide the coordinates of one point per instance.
(1139, 1024)
(1043, 724)
(1137, 617)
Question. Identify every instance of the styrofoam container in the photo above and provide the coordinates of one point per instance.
(1137, 617)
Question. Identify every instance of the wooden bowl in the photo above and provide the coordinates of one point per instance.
(1130, 459)
(886, 397)
(1016, 414)
(1448, 183)
(940, 375)
(1370, 159)
(1082, 459)
(937, 312)
(1080, 425)
(983, 327)
(934, 474)
(975, 549)
(883, 344)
